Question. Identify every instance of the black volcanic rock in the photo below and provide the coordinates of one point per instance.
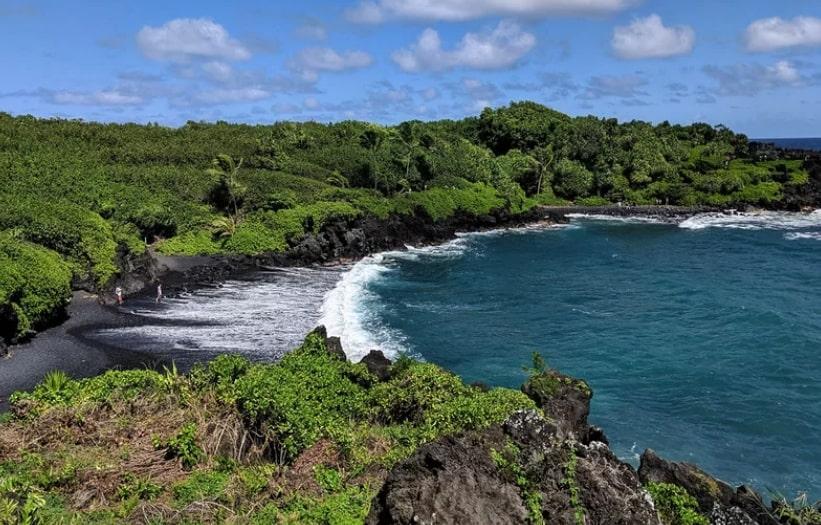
(503, 474)
(564, 398)
(334, 347)
(377, 364)
(715, 498)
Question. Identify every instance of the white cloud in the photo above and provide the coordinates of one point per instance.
(376, 11)
(222, 96)
(619, 86)
(311, 103)
(218, 71)
(770, 34)
(314, 60)
(501, 48)
(110, 97)
(751, 79)
(182, 39)
(650, 38)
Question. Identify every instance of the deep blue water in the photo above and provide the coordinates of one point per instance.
(802, 143)
(703, 343)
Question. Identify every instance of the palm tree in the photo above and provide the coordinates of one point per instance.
(227, 170)
(544, 159)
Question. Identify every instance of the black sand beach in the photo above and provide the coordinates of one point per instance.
(66, 347)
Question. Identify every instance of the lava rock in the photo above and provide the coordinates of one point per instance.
(334, 347)
(452, 480)
(564, 398)
(377, 364)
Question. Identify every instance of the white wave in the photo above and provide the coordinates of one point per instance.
(262, 319)
(348, 311)
(797, 236)
(631, 219)
(761, 220)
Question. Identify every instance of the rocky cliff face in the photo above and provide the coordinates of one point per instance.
(552, 468)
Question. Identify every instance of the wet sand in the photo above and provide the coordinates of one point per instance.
(67, 348)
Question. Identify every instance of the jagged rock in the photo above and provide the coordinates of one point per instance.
(715, 498)
(564, 398)
(461, 479)
(596, 434)
(452, 480)
(334, 347)
(377, 364)
(750, 502)
(319, 331)
(703, 487)
(610, 490)
(527, 426)
(722, 515)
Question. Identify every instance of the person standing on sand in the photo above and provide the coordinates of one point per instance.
(118, 291)
(159, 292)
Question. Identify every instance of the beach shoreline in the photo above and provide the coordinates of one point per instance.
(66, 346)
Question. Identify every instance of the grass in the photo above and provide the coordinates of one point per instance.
(307, 440)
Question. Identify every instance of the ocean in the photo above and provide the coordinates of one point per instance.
(802, 143)
(700, 339)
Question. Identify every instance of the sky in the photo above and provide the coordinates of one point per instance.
(753, 65)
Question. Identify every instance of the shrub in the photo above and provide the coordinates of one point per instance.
(183, 446)
(35, 287)
(80, 235)
(305, 396)
(675, 505)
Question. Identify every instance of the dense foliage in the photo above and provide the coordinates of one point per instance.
(306, 440)
(95, 193)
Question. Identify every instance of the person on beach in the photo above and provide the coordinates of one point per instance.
(118, 291)
(159, 292)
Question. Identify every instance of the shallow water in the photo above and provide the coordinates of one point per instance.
(701, 340)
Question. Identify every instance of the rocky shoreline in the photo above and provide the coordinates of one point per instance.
(556, 459)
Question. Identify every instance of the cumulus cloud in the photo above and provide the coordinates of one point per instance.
(500, 48)
(751, 79)
(650, 38)
(771, 34)
(376, 11)
(218, 71)
(311, 61)
(183, 39)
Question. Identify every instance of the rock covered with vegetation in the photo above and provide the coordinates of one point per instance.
(99, 195)
(316, 439)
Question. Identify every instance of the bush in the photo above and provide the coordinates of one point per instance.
(35, 287)
(80, 235)
(305, 396)
(674, 505)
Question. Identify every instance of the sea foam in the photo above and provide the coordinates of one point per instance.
(762, 220)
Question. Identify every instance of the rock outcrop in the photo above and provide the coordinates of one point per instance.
(716, 499)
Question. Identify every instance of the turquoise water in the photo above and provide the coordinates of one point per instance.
(700, 340)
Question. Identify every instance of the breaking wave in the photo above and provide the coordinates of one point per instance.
(762, 220)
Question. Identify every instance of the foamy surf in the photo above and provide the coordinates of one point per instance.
(629, 219)
(761, 220)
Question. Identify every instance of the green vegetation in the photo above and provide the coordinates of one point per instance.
(675, 505)
(306, 440)
(97, 194)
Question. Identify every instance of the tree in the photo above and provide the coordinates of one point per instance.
(228, 187)
(572, 179)
(544, 159)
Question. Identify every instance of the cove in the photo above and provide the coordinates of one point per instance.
(701, 340)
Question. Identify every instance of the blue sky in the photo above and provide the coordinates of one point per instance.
(754, 65)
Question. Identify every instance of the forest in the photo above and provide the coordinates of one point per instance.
(76, 198)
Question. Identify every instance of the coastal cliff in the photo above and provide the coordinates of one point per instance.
(318, 439)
